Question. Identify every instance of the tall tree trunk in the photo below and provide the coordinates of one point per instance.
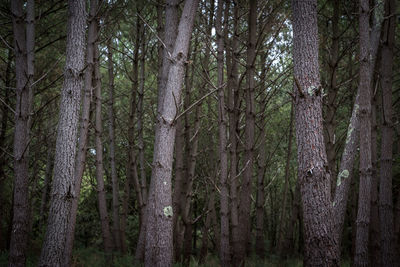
(159, 245)
(169, 37)
(111, 129)
(20, 221)
(101, 193)
(331, 106)
(246, 187)
(364, 198)
(233, 100)
(385, 186)
(80, 160)
(345, 174)
(374, 238)
(314, 180)
(223, 155)
(63, 190)
(286, 187)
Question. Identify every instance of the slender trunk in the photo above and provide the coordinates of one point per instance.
(345, 174)
(101, 193)
(233, 99)
(63, 190)
(20, 221)
(246, 187)
(389, 257)
(111, 129)
(374, 244)
(223, 155)
(285, 192)
(319, 247)
(159, 245)
(364, 198)
(84, 128)
(331, 106)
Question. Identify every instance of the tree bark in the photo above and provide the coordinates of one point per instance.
(364, 198)
(80, 160)
(285, 192)
(388, 255)
(111, 130)
(320, 244)
(247, 179)
(223, 155)
(63, 190)
(159, 245)
(20, 221)
(101, 193)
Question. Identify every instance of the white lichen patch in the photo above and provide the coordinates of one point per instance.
(311, 89)
(349, 132)
(165, 183)
(342, 175)
(168, 211)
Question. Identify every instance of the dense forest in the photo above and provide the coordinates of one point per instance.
(199, 133)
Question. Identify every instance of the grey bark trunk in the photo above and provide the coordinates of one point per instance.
(246, 186)
(84, 128)
(364, 198)
(101, 193)
(20, 220)
(320, 244)
(111, 131)
(159, 245)
(388, 256)
(63, 190)
(222, 144)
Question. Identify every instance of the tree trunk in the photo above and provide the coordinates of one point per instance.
(331, 106)
(233, 102)
(111, 129)
(364, 198)
(159, 245)
(314, 180)
(247, 179)
(84, 128)
(223, 155)
(63, 190)
(101, 193)
(20, 221)
(385, 187)
(285, 192)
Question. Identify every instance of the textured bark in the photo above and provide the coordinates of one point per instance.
(101, 193)
(388, 255)
(320, 249)
(222, 141)
(63, 182)
(233, 104)
(111, 131)
(345, 174)
(285, 192)
(364, 198)
(331, 106)
(20, 221)
(84, 128)
(262, 165)
(247, 179)
(170, 33)
(159, 245)
(374, 238)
